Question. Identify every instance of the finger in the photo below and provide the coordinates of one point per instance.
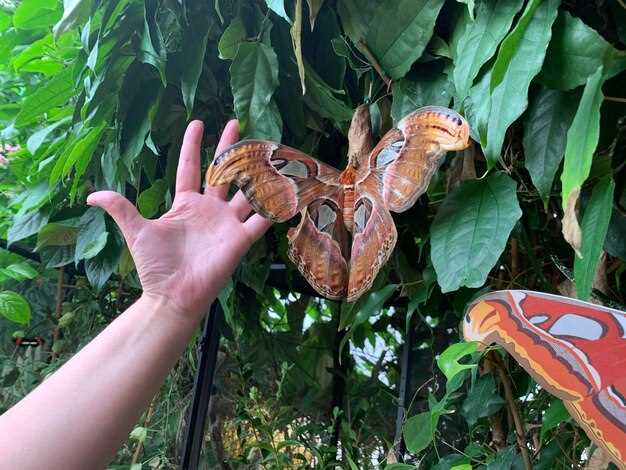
(188, 172)
(229, 137)
(240, 205)
(256, 226)
(123, 212)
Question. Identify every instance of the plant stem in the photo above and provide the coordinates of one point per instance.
(58, 308)
(374, 63)
(146, 423)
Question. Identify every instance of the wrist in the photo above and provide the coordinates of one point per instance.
(165, 306)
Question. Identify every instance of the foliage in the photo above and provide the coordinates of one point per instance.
(96, 95)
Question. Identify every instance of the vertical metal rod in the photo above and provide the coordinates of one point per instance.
(404, 390)
(203, 386)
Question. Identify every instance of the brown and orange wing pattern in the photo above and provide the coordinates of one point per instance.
(407, 156)
(576, 350)
(278, 181)
(373, 236)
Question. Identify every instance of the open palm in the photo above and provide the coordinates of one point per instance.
(187, 254)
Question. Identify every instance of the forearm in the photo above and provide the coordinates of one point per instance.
(80, 416)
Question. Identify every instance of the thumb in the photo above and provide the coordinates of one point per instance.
(123, 212)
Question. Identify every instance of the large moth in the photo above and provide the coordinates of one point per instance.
(280, 182)
(575, 350)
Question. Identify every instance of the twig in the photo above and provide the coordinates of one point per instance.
(514, 257)
(615, 98)
(146, 423)
(57, 309)
(366, 51)
(510, 401)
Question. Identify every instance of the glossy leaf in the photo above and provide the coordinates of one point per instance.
(510, 98)
(576, 53)
(582, 137)
(14, 307)
(594, 229)
(397, 47)
(471, 230)
(479, 41)
(448, 360)
(19, 271)
(549, 117)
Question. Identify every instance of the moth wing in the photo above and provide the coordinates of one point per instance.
(318, 246)
(277, 180)
(407, 156)
(373, 236)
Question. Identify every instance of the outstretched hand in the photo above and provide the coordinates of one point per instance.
(186, 255)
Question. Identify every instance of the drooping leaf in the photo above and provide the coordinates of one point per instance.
(151, 48)
(92, 234)
(582, 139)
(576, 53)
(25, 225)
(152, 198)
(418, 432)
(320, 97)
(594, 228)
(193, 58)
(100, 267)
(482, 400)
(510, 98)
(397, 47)
(549, 117)
(368, 305)
(14, 307)
(137, 123)
(448, 360)
(471, 229)
(480, 40)
(56, 92)
(233, 35)
(253, 80)
(510, 44)
(77, 156)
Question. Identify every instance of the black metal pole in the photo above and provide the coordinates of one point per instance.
(406, 366)
(203, 386)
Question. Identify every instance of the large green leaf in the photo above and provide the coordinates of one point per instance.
(14, 307)
(100, 267)
(510, 98)
(56, 234)
(397, 47)
(576, 52)
(193, 58)
(448, 361)
(92, 234)
(77, 155)
(233, 35)
(582, 137)
(594, 228)
(550, 114)
(25, 225)
(409, 95)
(471, 229)
(320, 97)
(18, 272)
(418, 432)
(482, 400)
(480, 40)
(253, 80)
(152, 198)
(152, 48)
(35, 14)
(56, 92)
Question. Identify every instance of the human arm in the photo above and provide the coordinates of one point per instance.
(81, 415)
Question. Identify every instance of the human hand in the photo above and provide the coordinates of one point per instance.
(186, 255)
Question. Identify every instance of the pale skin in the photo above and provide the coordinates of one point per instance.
(82, 414)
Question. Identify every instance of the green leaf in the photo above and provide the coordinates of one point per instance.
(367, 306)
(56, 92)
(57, 256)
(25, 225)
(92, 234)
(471, 229)
(74, 13)
(509, 46)
(400, 466)
(137, 123)
(56, 234)
(193, 58)
(576, 53)
(448, 361)
(100, 267)
(582, 137)
(554, 415)
(397, 47)
(77, 155)
(14, 307)
(35, 14)
(320, 98)
(37, 138)
(482, 400)
(152, 198)
(408, 95)
(253, 80)
(506, 459)
(20, 271)
(233, 35)
(510, 98)
(152, 49)
(479, 41)
(418, 432)
(594, 229)
(550, 115)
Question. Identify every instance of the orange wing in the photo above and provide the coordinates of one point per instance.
(575, 350)
(373, 236)
(277, 180)
(407, 156)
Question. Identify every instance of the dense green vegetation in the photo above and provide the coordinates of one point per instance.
(96, 94)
